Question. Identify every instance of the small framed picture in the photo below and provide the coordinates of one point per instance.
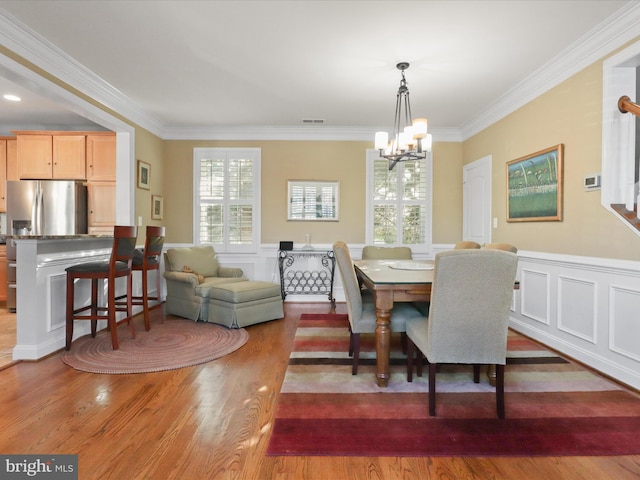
(144, 173)
(157, 207)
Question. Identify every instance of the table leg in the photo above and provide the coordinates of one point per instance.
(383, 341)
(491, 374)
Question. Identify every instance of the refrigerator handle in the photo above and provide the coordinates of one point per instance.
(37, 212)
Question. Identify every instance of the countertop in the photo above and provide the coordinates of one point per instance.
(55, 237)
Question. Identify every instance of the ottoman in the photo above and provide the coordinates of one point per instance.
(237, 305)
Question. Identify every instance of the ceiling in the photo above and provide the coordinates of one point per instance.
(212, 64)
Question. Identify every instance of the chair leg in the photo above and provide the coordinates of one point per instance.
(145, 300)
(411, 349)
(159, 297)
(419, 358)
(403, 342)
(476, 373)
(355, 339)
(129, 308)
(111, 311)
(69, 325)
(350, 342)
(94, 306)
(500, 390)
(432, 389)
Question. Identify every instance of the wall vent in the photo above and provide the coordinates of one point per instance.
(315, 121)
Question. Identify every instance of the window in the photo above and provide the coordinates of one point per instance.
(399, 203)
(227, 198)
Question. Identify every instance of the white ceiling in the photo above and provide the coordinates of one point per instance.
(194, 64)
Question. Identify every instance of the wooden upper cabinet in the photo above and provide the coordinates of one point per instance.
(69, 153)
(3, 176)
(101, 158)
(12, 159)
(35, 156)
(47, 156)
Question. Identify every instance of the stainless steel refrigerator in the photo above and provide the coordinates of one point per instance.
(42, 207)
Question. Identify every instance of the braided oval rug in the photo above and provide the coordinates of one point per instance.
(176, 343)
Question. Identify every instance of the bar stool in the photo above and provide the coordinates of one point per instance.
(118, 265)
(149, 259)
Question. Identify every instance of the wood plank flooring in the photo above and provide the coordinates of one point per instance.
(213, 421)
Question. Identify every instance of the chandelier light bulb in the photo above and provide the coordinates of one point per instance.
(382, 140)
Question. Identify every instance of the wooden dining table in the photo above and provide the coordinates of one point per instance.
(392, 281)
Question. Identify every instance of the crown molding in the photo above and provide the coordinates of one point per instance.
(615, 31)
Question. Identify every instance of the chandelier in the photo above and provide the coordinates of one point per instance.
(410, 139)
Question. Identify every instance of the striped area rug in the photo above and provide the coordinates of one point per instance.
(553, 407)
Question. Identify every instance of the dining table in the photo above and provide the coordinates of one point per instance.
(392, 281)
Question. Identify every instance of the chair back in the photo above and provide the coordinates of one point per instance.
(153, 246)
(371, 252)
(466, 244)
(470, 302)
(124, 244)
(352, 291)
(507, 247)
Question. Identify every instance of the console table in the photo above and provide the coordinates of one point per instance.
(307, 272)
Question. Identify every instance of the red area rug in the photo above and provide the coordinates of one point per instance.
(553, 407)
(167, 346)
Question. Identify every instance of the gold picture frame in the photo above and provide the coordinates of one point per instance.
(144, 175)
(157, 207)
(534, 186)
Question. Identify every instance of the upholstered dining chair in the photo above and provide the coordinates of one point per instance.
(372, 252)
(473, 331)
(118, 266)
(146, 260)
(362, 314)
(507, 247)
(466, 244)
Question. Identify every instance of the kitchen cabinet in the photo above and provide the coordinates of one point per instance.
(102, 207)
(12, 159)
(42, 155)
(101, 158)
(3, 175)
(3, 273)
(7, 162)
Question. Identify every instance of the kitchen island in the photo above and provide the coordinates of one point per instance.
(41, 289)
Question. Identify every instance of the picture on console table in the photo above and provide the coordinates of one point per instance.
(157, 207)
(144, 174)
(534, 186)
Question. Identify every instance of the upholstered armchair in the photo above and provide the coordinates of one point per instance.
(190, 273)
(466, 244)
(469, 316)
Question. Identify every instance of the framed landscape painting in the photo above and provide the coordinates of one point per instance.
(534, 187)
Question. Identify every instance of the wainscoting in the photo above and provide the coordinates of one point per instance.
(586, 308)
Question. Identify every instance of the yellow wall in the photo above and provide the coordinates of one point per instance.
(569, 114)
(149, 149)
(309, 160)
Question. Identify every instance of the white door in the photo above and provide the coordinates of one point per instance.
(476, 201)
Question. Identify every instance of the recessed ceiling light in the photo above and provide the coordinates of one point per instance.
(11, 98)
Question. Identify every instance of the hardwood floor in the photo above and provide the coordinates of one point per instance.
(213, 421)
(7, 336)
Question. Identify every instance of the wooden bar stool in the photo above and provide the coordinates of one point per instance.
(118, 265)
(149, 259)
